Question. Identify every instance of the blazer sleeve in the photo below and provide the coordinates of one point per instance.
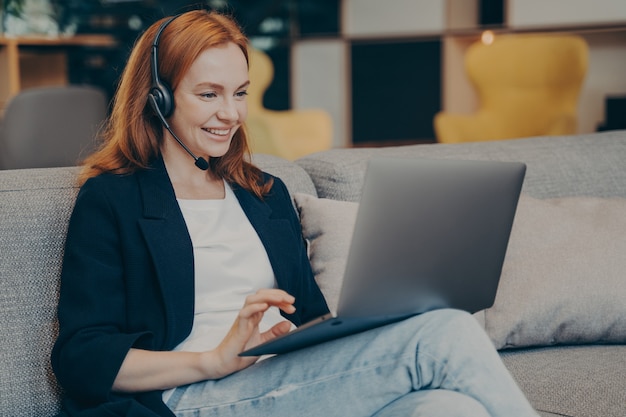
(91, 345)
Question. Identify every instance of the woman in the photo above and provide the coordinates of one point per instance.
(170, 271)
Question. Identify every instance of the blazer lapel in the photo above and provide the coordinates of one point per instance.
(169, 244)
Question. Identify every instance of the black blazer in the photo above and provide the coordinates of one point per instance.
(128, 281)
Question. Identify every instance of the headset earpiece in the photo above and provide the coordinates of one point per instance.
(160, 91)
(163, 98)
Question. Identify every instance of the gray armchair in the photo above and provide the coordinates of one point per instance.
(51, 126)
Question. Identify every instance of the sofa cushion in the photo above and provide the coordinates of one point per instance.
(294, 177)
(562, 280)
(563, 275)
(573, 381)
(558, 166)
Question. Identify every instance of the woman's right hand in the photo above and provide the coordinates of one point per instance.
(245, 332)
(144, 370)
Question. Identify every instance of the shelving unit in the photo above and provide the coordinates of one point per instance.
(369, 63)
(34, 61)
(322, 69)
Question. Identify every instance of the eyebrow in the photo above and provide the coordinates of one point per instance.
(219, 86)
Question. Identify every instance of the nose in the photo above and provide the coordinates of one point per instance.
(228, 111)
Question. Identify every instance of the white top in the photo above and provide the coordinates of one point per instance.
(230, 263)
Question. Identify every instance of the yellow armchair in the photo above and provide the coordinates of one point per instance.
(527, 85)
(289, 134)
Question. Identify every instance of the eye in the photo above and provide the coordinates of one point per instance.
(208, 95)
(241, 94)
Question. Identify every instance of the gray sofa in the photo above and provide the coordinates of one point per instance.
(559, 319)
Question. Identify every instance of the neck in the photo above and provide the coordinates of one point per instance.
(188, 180)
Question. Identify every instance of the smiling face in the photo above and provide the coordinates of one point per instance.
(211, 101)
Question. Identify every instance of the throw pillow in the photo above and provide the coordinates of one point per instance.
(564, 275)
(327, 226)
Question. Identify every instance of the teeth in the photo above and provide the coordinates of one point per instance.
(220, 132)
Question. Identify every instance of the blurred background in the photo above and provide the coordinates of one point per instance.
(382, 69)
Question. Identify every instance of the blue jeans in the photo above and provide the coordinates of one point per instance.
(439, 363)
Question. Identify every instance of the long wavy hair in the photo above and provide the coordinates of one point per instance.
(133, 135)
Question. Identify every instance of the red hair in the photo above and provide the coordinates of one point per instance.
(133, 134)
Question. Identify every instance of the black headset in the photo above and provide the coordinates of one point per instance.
(161, 98)
(160, 94)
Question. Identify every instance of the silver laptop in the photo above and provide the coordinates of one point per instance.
(429, 234)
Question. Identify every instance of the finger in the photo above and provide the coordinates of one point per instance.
(272, 297)
(280, 328)
(251, 310)
(287, 308)
(271, 294)
(276, 330)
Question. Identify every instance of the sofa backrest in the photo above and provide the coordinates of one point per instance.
(558, 166)
(35, 206)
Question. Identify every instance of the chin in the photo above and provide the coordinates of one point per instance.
(218, 151)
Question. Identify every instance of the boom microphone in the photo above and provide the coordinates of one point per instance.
(200, 162)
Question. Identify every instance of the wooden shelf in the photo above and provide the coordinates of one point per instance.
(33, 61)
(76, 40)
